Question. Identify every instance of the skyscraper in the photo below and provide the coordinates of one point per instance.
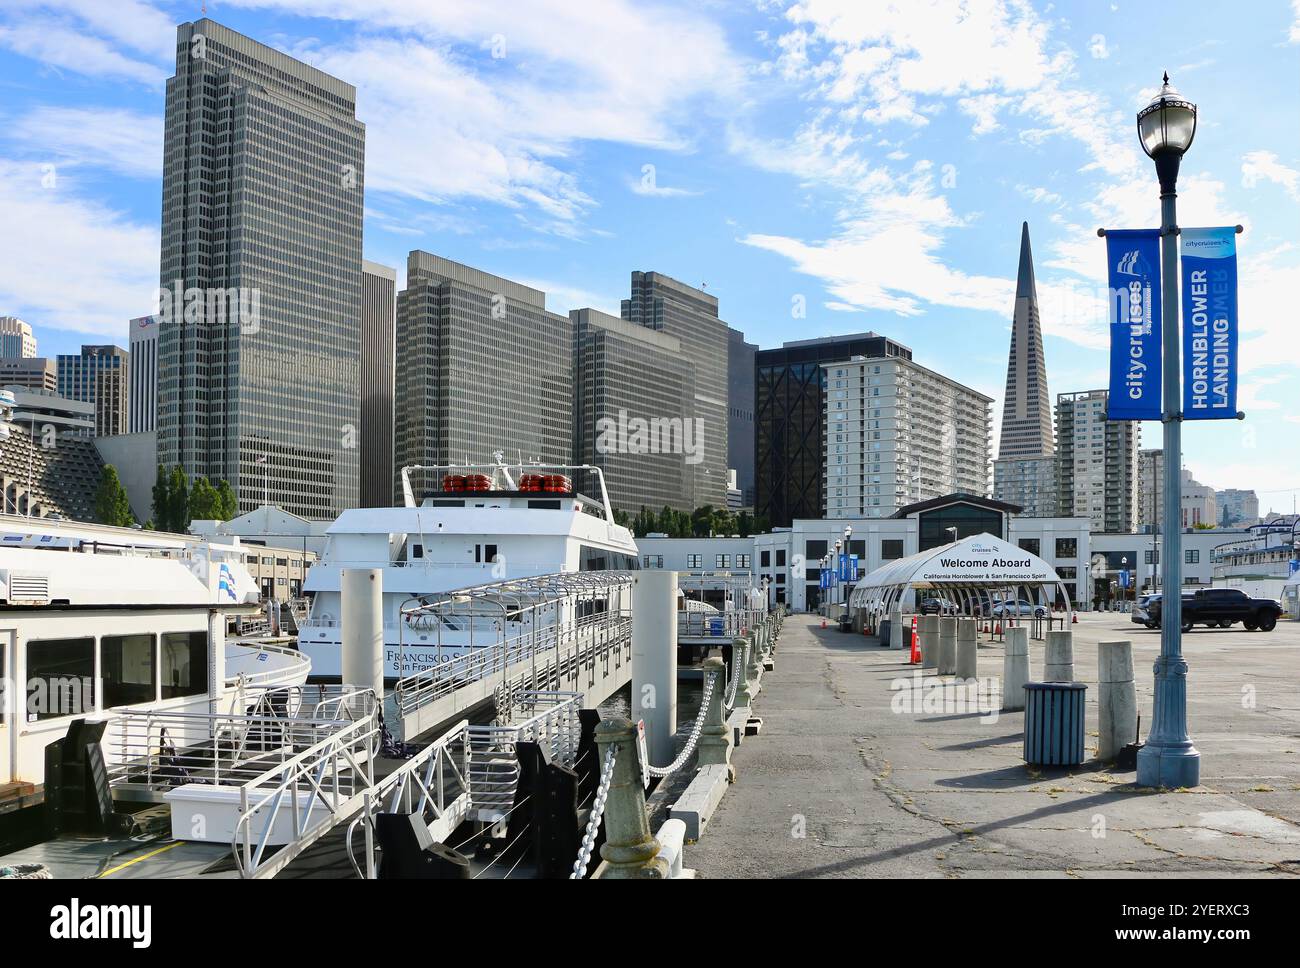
(481, 366)
(142, 407)
(378, 300)
(1025, 470)
(633, 404)
(98, 375)
(790, 421)
(16, 338)
(740, 413)
(1097, 464)
(662, 303)
(263, 161)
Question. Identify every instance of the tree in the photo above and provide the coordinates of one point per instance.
(161, 507)
(203, 500)
(111, 503)
(227, 506)
(178, 501)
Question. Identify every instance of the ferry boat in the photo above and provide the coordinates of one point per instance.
(484, 523)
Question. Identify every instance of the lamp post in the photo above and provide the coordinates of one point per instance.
(1166, 128)
(848, 533)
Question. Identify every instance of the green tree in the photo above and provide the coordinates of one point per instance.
(111, 503)
(203, 500)
(178, 501)
(161, 499)
(227, 506)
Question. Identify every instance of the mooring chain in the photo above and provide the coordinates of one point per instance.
(689, 748)
(737, 670)
(593, 825)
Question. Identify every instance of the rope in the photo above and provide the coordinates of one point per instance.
(694, 738)
(597, 812)
(737, 670)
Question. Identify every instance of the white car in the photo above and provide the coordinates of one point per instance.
(1022, 607)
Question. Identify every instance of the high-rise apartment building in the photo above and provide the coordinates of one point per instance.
(898, 433)
(263, 163)
(634, 411)
(16, 338)
(482, 366)
(98, 375)
(378, 302)
(29, 372)
(1198, 502)
(740, 414)
(790, 421)
(662, 303)
(1097, 462)
(1025, 471)
(1237, 508)
(1151, 489)
(142, 405)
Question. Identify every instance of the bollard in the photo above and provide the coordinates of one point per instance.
(654, 660)
(714, 747)
(754, 661)
(967, 645)
(897, 633)
(927, 636)
(744, 698)
(1058, 661)
(947, 646)
(361, 618)
(630, 850)
(1015, 668)
(1116, 699)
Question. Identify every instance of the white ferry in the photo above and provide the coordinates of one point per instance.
(485, 523)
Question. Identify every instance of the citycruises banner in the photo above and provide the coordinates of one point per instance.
(1134, 257)
(1209, 323)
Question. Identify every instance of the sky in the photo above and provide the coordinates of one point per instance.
(822, 167)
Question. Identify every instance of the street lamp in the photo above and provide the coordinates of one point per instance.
(1166, 128)
(848, 533)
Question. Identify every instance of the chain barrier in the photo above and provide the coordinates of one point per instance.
(696, 729)
(737, 670)
(593, 825)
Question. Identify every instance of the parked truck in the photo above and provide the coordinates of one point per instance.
(1221, 608)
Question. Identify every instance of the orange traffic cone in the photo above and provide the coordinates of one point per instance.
(823, 623)
(1074, 620)
(916, 647)
(997, 629)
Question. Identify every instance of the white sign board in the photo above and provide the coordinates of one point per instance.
(986, 560)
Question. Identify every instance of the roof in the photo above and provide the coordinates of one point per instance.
(957, 498)
(106, 580)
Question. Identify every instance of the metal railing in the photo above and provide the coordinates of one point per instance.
(298, 664)
(692, 623)
(551, 721)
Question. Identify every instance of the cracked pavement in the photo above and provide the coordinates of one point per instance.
(838, 784)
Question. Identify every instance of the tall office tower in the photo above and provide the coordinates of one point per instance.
(740, 414)
(898, 433)
(378, 302)
(481, 367)
(16, 338)
(142, 407)
(1097, 463)
(1237, 508)
(98, 375)
(661, 303)
(1151, 488)
(29, 372)
(1199, 504)
(263, 160)
(633, 410)
(1025, 470)
(790, 421)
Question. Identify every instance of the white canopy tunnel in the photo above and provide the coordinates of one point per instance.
(964, 572)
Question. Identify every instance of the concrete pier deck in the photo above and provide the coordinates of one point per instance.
(848, 782)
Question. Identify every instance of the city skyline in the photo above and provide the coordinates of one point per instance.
(884, 225)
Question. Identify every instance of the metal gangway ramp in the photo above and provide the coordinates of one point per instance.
(569, 632)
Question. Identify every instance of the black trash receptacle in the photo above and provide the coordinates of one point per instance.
(884, 631)
(1054, 723)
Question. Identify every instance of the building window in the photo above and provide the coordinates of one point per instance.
(692, 561)
(653, 561)
(891, 549)
(184, 664)
(60, 678)
(1067, 573)
(1067, 547)
(1192, 556)
(1031, 545)
(742, 561)
(127, 664)
(722, 561)
(780, 558)
(765, 558)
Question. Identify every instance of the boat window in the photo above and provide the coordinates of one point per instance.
(127, 667)
(184, 664)
(417, 551)
(490, 553)
(544, 505)
(60, 678)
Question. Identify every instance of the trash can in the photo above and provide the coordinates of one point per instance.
(885, 629)
(1054, 723)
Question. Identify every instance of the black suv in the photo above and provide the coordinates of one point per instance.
(1223, 608)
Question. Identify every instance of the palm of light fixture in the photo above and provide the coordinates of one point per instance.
(1168, 123)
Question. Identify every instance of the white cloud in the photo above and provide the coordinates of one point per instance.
(61, 46)
(123, 141)
(1295, 26)
(1256, 165)
(75, 264)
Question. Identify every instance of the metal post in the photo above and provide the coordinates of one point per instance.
(630, 850)
(714, 748)
(1169, 759)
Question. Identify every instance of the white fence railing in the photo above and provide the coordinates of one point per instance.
(551, 720)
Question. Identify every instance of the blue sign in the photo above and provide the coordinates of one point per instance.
(1293, 567)
(1124, 578)
(848, 568)
(1209, 323)
(826, 578)
(1134, 258)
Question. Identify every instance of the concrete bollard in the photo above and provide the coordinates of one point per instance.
(361, 617)
(927, 637)
(1116, 698)
(654, 660)
(947, 646)
(897, 637)
(740, 663)
(1015, 668)
(1058, 657)
(630, 850)
(714, 748)
(967, 645)
(754, 661)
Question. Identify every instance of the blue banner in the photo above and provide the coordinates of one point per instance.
(1209, 280)
(1134, 258)
(848, 568)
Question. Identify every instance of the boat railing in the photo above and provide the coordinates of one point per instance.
(293, 664)
(549, 719)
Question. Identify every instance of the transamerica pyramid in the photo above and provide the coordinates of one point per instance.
(1027, 411)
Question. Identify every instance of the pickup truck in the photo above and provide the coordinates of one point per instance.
(1222, 608)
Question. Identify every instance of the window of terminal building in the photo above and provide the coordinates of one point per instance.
(891, 549)
(1067, 547)
(1032, 545)
(693, 561)
(765, 559)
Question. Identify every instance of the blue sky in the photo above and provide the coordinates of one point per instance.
(870, 161)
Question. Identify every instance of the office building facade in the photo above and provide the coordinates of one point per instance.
(740, 414)
(29, 372)
(263, 176)
(633, 409)
(790, 421)
(142, 402)
(1097, 462)
(16, 338)
(661, 303)
(378, 334)
(1151, 488)
(1237, 508)
(482, 366)
(98, 375)
(898, 433)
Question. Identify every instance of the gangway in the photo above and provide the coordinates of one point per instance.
(714, 607)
